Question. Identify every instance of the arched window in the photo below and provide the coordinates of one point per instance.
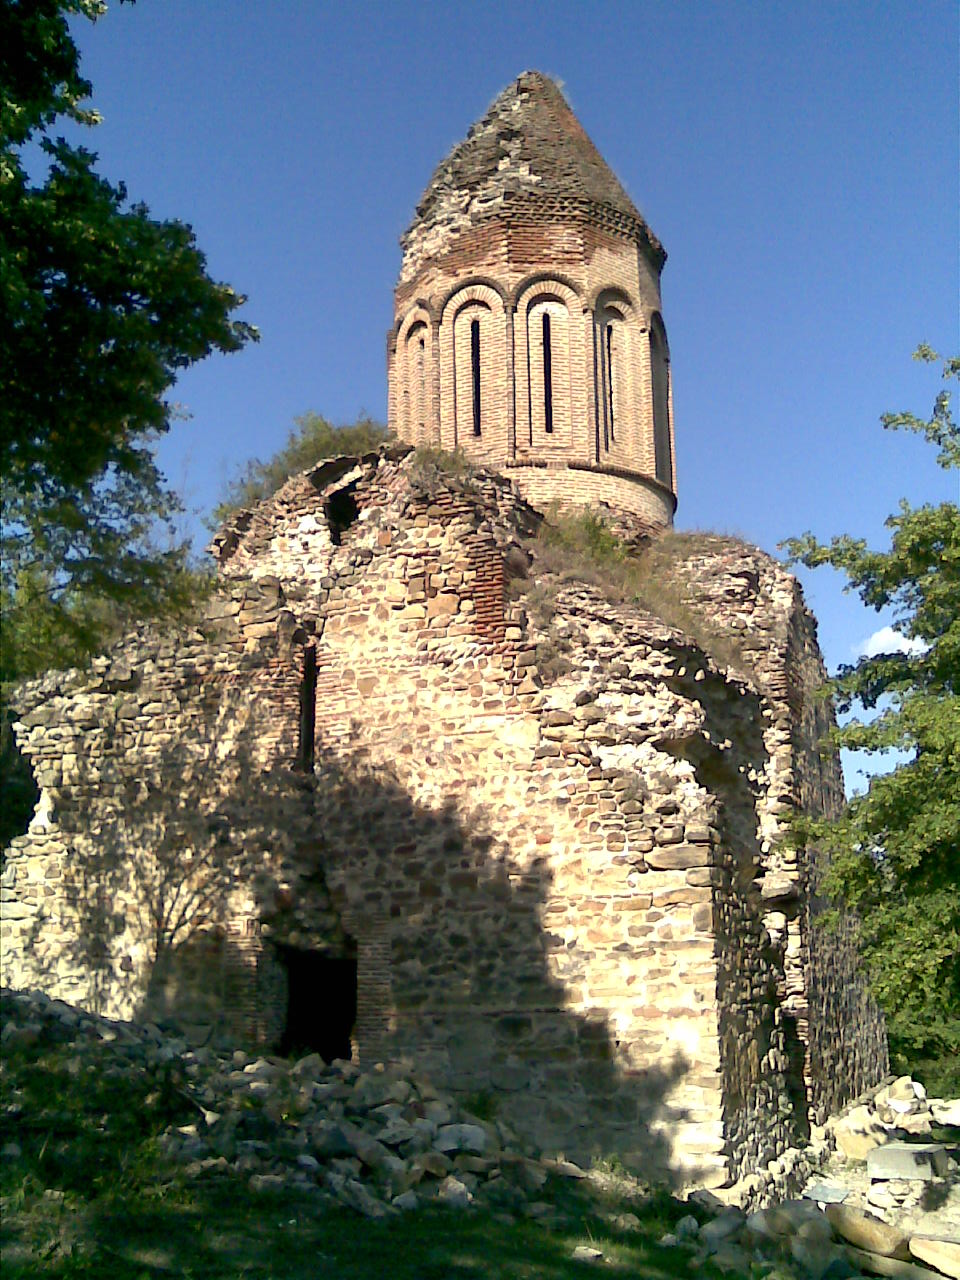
(547, 375)
(660, 376)
(476, 351)
(414, 383)
(614, 362)
(611, 380)
(475, 372)
(547, 368)
(421, 384)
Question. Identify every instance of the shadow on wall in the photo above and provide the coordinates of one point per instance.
(189, 886)
(173, 857)
(462, 974)
(761, 1052)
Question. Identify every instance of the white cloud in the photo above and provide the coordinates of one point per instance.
(887, 640)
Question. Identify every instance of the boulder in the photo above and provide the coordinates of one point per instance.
(453, 1191)
(946, 1112)
(721, 1228)
(434, 1163)
(858, 1132)
(867, 1232)
(787, 1218)
(731, 1260)
(918, 1124)
(878, 1265)
(817, 1258)
(463, 1137)
(942, 1254)
(358, 1197)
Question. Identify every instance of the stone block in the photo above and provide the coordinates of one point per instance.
(677, 857)
(877, 1265)
(778, 887)
(858, 1133)
(942, 1254)
(946, 1112)
(671, 833)
(914, 1160)
(462, 1137)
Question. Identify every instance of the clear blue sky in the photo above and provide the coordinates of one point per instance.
(798, 161)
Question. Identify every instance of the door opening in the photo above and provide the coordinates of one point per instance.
(321, 1003)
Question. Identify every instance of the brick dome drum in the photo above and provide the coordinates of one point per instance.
(527, 327)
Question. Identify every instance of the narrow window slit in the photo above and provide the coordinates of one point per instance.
(547, 375)
(610, 376)
(308, 709)
(421, 387)
(475, 362)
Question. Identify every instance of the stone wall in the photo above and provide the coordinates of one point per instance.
(172, 815)
(543, 825)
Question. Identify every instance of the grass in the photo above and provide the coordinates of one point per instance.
(582, 548)
(429, 465)
(91, 1194)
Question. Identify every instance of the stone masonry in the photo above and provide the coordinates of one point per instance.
(560, 881)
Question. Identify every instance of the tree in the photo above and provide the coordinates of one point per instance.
(103, 307)
(894, 854)
(312, 439)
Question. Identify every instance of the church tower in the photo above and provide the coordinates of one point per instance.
(527, 319)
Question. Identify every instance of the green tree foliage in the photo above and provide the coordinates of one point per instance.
(103, 306)
(895, 851)
(311, 440)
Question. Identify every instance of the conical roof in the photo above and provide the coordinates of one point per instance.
(529, 143)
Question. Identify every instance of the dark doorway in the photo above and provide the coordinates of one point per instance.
(342, 512)
(321, 1003)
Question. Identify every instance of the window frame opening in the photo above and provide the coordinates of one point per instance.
(342, 511)
(421, 386)
(308, 710)
(547, 375)
(660, 407)
(610, 377)
(475, 370)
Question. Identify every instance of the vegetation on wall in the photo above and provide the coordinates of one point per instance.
(583, 547)
(895, 851)
(311, 440)
(103, 306)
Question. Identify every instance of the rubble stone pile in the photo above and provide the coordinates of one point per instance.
(380, 1141)
(373, 1139)
(884, 1200)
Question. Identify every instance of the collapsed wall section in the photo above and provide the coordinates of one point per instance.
(171, 816)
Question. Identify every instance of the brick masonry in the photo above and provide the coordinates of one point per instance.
(525, 218)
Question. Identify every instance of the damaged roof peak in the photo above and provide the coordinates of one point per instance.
(528, 142)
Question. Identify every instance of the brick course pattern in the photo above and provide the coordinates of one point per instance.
(525, 219)
(561, 883)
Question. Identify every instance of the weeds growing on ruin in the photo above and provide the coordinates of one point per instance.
(583, 548)
(430, 465)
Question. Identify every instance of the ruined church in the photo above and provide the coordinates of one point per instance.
(414, 789)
